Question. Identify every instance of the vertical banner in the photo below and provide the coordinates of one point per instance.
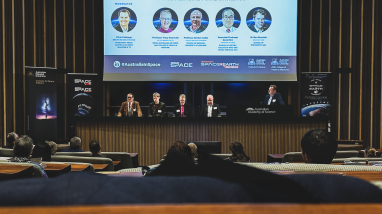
(41, 103)
(81, 94)
(316, 94)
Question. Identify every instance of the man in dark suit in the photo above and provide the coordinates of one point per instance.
(124, 19)
(183, 109)
(156, 108)
(211, 109)
(273, 98)
(258, 18)
(130, 108)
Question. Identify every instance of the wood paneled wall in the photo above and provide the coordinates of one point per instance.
(331, 34)
(151, 140)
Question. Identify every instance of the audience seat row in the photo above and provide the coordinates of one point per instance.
(297, 157)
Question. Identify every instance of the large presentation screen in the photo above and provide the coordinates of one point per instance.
(200, 40)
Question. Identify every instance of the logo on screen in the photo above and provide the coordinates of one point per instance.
(181, 65)
(82, 89)
(284, 62)
(274, 61)
(85, 82)
(117, 64)
(219, 64)
(251, 62)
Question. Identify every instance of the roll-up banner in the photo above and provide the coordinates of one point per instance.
(316, 94)
(82, 94)
(41, 103)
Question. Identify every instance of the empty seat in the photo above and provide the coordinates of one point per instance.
(124, 157)
(37, 172)
(6, 152)
(92, 160)
(342, 160)
(297, 157)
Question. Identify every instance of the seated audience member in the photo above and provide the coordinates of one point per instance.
(95, 148)
(370, 153)
(75, 145)
(42, 150)
(181, 147)
(318, 146)
(156, 108)
(238, 154)
(23, 149)
(194, 150)
(11, 138)
(183, 109)
(53, 147)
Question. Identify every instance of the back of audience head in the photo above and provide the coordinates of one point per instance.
(318, 146)
(53, 147)
(42, 150)
(238, 154)
(181, 147)
(94, 147)
(11, 138)
(370, 152)
(75, 143)
(23, 146)
(194, 150)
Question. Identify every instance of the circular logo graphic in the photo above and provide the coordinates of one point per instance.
(228, 20)
(316, 87)
(259, 19)
(165, 20)
(123, 19)
(196, 20)
(117, 64)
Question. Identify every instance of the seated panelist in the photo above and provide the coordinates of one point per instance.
(156, 108)
(273, 98)
(183, 109)
(130, 108)
(211, 109)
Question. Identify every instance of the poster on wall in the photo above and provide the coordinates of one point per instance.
(81, 94)
(316, 94)
(41, 98)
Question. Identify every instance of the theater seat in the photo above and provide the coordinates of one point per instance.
(90, 169)
(342, 160)
(124, 157)
(92, 160)
(297, 157)
(6, 152)
(37, 173)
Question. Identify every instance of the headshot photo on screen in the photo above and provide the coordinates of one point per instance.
(165, 20)
(259, 20)
(196, 20)
(123, 19)
(228, 20)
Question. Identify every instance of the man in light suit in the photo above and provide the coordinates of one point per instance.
(211, 109)
(156, 108)
(273, 98)
(228, 17)
(130, 108)
(183, 109)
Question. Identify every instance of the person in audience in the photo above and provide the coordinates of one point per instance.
(181, 147)
(75, 145)
(23, 149)
(42, 150)
(183, 109)
(318, 146)
(11, 138)
(53, 147)
(238, 154)
(370, 152)
(194, 150)
(95, 148)
(210, 109)
(273, 98)
(156, 108)
(130, 108)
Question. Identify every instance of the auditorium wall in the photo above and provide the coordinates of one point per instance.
(68, 34)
